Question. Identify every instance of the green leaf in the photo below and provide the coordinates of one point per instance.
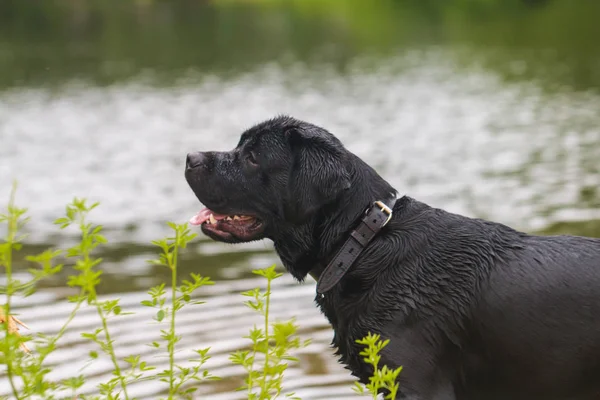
(268, 273)
(160, 315)
(100, 239)
(70, 211)
(90, 336)
(62, 221)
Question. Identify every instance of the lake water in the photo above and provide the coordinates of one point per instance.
(489, 109)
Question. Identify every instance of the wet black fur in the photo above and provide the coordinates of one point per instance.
(473, 309)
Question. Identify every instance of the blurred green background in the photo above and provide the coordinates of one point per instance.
(107, 41)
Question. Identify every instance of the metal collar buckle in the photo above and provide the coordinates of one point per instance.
(386, 210)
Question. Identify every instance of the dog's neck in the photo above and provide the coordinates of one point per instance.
(302, 247)
(328, 273)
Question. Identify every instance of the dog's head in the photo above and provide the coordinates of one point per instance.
(281, 173)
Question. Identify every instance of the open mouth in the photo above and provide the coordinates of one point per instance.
(228, 228)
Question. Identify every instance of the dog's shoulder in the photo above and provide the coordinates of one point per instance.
(433, 264)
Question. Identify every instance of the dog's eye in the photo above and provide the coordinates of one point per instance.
(252, 159)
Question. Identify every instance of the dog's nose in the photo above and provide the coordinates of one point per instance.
(195, 159)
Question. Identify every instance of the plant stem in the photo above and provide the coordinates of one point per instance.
(63, 328)
(111, 349)
(266, 367)
(103, 318)
(10, 239)
(250, 371)
(174, 302)
(60, 333)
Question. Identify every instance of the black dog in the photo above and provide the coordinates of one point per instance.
(473, 309)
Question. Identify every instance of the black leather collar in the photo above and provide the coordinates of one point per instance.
(376, 217)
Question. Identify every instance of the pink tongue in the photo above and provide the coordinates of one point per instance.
(204, 216)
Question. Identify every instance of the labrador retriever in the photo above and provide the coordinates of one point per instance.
(473, 309)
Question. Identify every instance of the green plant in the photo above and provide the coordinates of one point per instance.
(383, 379)
(12, 242)
(28, 368)
(176, 376)
(274, 345)
(27, 373)
(87, 280)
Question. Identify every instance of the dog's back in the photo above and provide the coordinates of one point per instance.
(537, 324)
(503, 314)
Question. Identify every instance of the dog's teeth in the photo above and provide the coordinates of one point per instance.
(236, 217)
(212, 219)
(227, 218)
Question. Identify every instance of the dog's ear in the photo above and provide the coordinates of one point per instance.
(318, 175)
